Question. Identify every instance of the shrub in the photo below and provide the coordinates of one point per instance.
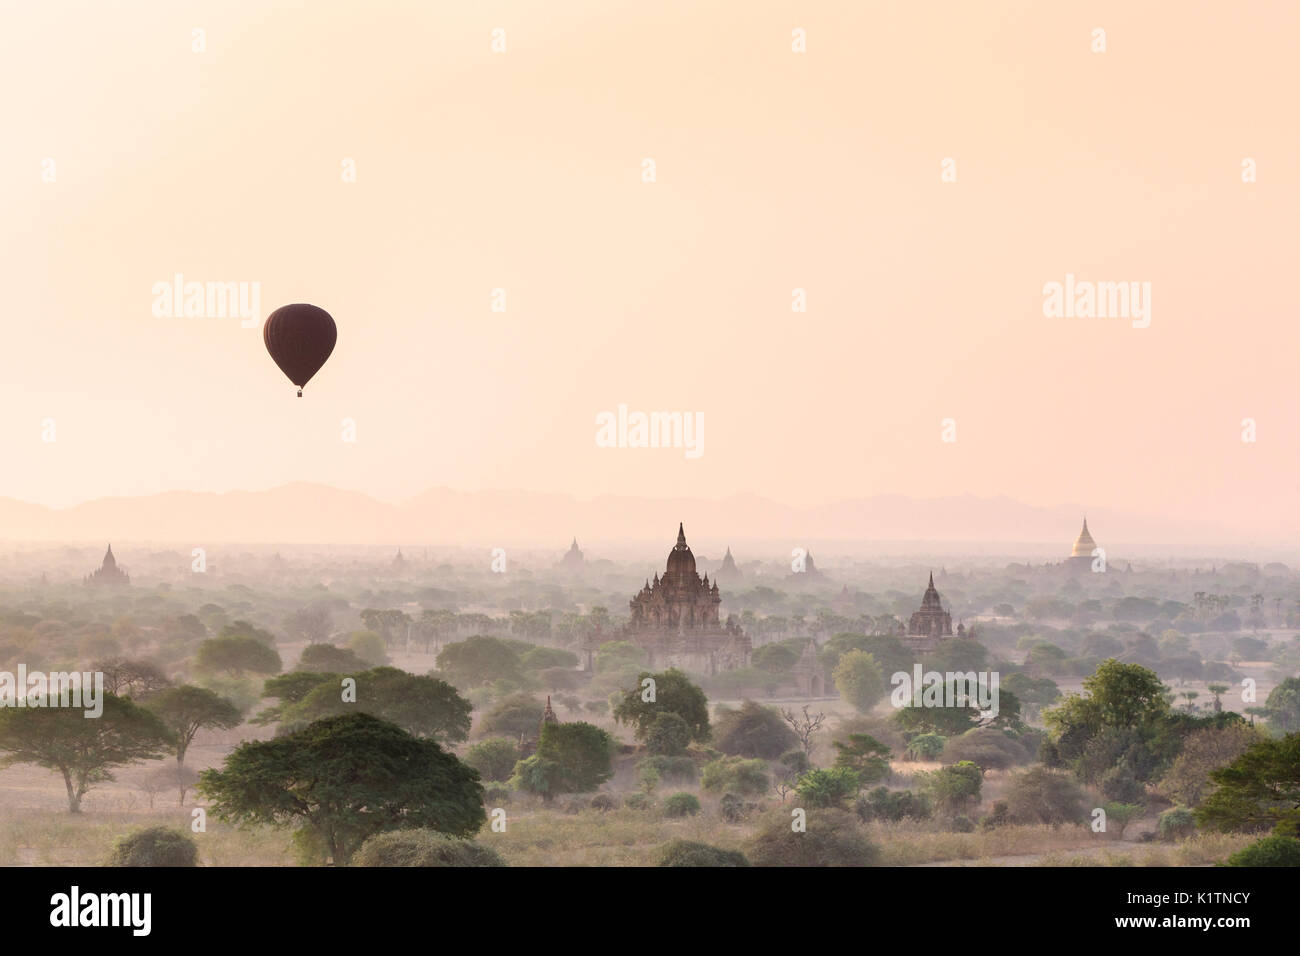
(496, 797)
(1176, 824)
(999, 816)
(832, 838)
(893, 805)
(1040, 795)
(1121, 814)
(494, 759)
(962, 825)
(423, 848)
(689, 853)
(1270, 851)
(515, 716)
(668, 735)
(925, 747)
(753, 731)
(675, 769)
(637, 801)
(734, 808)
(1121, 785)
(987, 748)
(827, 788)
(155, 846)
(737, 774)
(953, 788)
(796, 761)
(681, 805)
(604, 801)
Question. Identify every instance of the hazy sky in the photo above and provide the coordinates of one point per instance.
(775, 170)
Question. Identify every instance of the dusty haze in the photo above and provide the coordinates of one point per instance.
(522, 171)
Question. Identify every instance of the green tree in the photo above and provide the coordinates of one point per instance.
(328, 659)
(1255, 791)
(828, 788)
(864, 755)
(747, 777)
(668, 735)
(673, 693)
(187, 709)
(515, 716)
(954, 788)
(1282, 709)
(494, 759)
(681, 805)
(369, 646)
(236, 656)
(1270, 851)
(343, 779)
(542, 658)
(420, 705)
(84, 750)
(479, 660)
(752, 731)
(1121, 815)
(538, 775)
(582, 753)
(858, 678)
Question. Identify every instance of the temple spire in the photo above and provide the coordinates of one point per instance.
(681, 534)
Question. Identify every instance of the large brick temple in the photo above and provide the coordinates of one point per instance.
(675, 618)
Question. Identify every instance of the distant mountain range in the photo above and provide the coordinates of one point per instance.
(310, 513)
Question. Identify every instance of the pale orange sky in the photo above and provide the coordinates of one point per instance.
(522, 170)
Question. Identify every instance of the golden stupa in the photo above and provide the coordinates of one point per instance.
(1083, 545)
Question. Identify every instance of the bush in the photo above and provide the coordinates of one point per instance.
(734, 808)
(827, 788)
(668, 735)
(423, 848)
(604, 801)
(999, 816)
(675, 769)
(796, 761)
(155, 846)
(832, 838)
(1269, 851)
(1040, 795)
(494, 759)
(1121, 785)
(516, 716)
(753, 731)
(986, 747)
(736, 773)
(637, 801)
(496, 797)
(954, 788)
(963, 825)
(1176, 824)
(893, 805)
(689, 853)
(925, 747)
(681, 805)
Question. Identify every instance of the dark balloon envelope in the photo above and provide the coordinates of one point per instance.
(300, 338)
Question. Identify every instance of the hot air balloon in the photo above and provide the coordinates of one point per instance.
(300, 338)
